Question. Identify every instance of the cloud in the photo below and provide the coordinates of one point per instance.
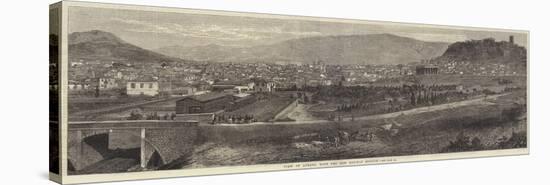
(212, 31)
(144, 27)
(434, 37)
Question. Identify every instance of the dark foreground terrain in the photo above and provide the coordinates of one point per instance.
(489, 124)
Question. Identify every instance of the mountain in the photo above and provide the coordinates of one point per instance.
(200, 53)
(106, 47)
(346, 49)
(485, 51)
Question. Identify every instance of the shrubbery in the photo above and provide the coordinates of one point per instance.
(153, 116)
(517, 140)
(464, 143)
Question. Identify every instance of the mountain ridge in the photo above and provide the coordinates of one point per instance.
(341, 49)
(105, 46)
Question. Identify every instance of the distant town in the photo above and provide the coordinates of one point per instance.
(176, 79)
(247, 83)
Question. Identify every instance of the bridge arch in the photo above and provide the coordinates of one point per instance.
(160, 143)
(148, 149)
(90, 147)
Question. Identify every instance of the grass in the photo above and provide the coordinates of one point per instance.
(78, 104)
(264, 110)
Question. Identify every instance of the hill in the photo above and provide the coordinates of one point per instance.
(106, 47)
(485, 51)
(346, 49)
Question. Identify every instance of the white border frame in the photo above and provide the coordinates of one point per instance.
(64, 178)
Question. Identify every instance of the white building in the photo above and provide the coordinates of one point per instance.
(242, 89)
(271, 86)
(107, 83)
(142, 88)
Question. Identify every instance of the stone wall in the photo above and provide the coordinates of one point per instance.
(201, 118)
(88, 144)
(124, 138)
(80, 153)
(172, 143)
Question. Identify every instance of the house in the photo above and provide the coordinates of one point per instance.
(271, 86)
(107, 83)
(149, 88)
(426, 70)
(206, 103)
(187, 90)
(251, 85)
(327, 82)
(242, 88)
(77, 85)
(222, 87)
(313, 83)
(183, 91)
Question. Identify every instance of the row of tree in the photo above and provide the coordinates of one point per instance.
(233, 119)
(416, 97)
(373, 93)
(152, 116)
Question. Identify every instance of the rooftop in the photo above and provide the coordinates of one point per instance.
(208, 96)
(426, 66)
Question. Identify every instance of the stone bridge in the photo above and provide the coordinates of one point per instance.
(155, 143)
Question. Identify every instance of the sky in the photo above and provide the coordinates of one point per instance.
(153, 30)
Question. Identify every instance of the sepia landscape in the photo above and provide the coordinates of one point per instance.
(163, 91)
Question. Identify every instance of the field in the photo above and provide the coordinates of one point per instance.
(485, 126)
(80, 104)
(266, 108)
(117, 108)
(391, 95)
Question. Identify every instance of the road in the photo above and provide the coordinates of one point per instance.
(300, 113)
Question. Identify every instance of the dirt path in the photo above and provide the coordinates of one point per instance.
(477, 101)
(300, 113)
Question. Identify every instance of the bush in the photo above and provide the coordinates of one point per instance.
(135, 116)
(513, 113)
(464, 143)
(517, 140)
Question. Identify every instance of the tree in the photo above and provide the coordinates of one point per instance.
(463, 143)
(413, 99)
(135, 116)
(173, 116)
(306, 99)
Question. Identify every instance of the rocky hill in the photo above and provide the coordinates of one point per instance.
(485, 51)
